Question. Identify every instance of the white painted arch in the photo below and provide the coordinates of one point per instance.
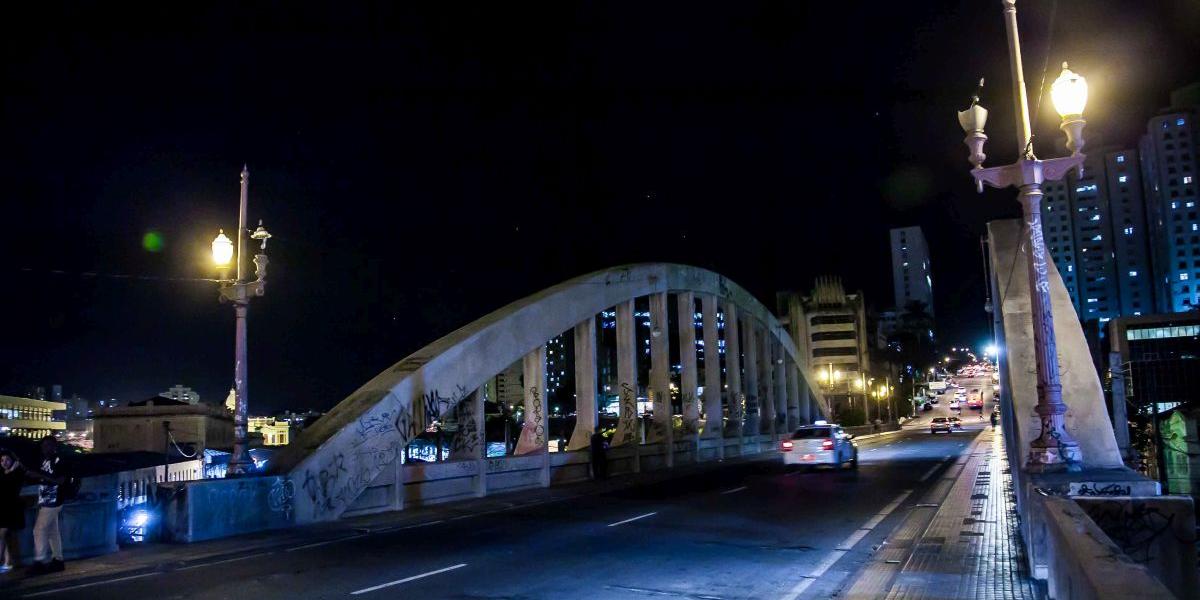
(333, 461)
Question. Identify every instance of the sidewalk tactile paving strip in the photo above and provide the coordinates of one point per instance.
(970, 548)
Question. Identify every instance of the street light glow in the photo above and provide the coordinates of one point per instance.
(990, 350)
(222, 249)
(1069, 93)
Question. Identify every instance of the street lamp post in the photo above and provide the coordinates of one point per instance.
(238, 291)
(1054, 449)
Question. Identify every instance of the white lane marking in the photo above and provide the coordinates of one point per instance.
(228, 560)
(734, 490)
(650, 514)
(930, 472)
(425, 524)
(83, 585)
(326, 542)
(843, 548)
(407, 579)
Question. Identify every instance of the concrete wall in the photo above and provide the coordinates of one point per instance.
(88, 525)
(1156, 532)
(1084, 564)
(129, 432)
(1087, 415)
(345, 453)
(212, 509)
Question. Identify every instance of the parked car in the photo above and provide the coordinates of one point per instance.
(819, 444)
(939, 424)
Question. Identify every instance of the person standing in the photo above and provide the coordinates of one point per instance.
(47, 540)
(12, 509)
(599, 456)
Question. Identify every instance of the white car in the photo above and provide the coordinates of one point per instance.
(819, 444)
(954, 405)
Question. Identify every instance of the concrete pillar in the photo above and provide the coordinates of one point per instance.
(662, 430)
(781, 388)
(735, 393)
(470, 439)
(795, 413)
(627, 431)
(688, 377)
(585, 384)
(753, 416)
(713, 414)
(766, 382)
(1120, 410)
(533, 434)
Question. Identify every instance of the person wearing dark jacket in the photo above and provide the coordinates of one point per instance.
(12, 509)
(47, 540)
(599, 456)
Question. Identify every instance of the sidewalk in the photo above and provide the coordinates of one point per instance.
(143, 559)
(959, 541)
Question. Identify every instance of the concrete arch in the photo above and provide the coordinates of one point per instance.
(334, 461)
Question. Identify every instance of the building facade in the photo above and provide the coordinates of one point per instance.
(1169, 168)
(829, 328)
(274, 432)
(140, 426)
(912, 280)
(29, 418)
(1095, 229)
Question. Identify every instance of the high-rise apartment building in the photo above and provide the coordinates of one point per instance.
(911, 279)
(1169, 168)
(1094, 226)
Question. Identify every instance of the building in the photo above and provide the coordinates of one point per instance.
(158, 423)
(1154, 372)
(1169, 171)
(829, 328)
(183, 394)
(29, 418)
(274, 432)
(1095, 229)
(912, 280)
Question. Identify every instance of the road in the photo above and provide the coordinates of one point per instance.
(746, 529)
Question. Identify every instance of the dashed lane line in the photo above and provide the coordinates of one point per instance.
(734, 490)
(649, 514)
(407, 579)
(845, 547)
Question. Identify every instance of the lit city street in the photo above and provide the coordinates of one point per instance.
(727, 301)
(744, 530)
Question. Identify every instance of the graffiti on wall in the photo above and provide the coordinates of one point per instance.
(466, 440)
(627, 427)
(1134, 526)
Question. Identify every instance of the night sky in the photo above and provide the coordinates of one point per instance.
(423, 165)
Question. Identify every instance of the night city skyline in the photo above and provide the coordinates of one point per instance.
(420, 169)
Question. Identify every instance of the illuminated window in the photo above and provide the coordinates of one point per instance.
(1133, 273)
(1179, 121)
(1128, 231)
(1183, 276)
(1120, 158)
(1187, 179)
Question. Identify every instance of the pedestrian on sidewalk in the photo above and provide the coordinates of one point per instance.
(56, 486)
(993, 420)
(12, 509)
(599, 456)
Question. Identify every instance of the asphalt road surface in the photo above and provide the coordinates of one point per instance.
(744, 530)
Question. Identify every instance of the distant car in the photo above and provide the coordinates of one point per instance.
(956, 422)
(940, 424)
(955, 405)
(975, 403)
(933, 400)
(927, 407)
(819, 444)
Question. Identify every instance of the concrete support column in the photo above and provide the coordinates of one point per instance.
(662, 430)
(781, 388)
(766, 383)
(585, 384)
(629, 428)
(795, 413)
(714, 417)
(688, 377)
(533, 433)
(470, 439)
(735, 393)
(753, 417)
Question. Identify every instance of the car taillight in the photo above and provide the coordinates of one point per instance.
(827, 445)
(786, 446)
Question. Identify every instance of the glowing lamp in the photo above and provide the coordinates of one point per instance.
(1069, 93)
(222, 249)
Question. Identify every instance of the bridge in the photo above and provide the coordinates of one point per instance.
(699, 507)
(349, 461)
